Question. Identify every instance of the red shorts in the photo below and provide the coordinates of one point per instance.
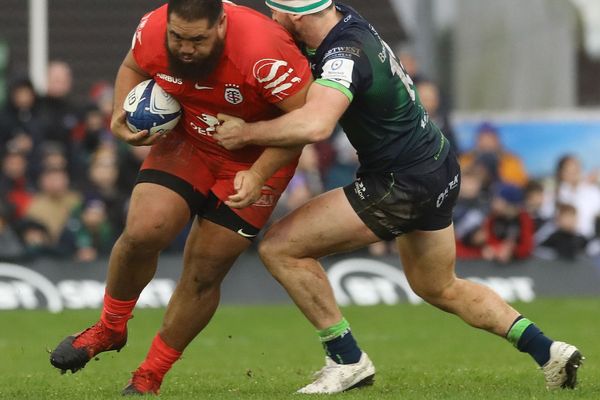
(180, 164)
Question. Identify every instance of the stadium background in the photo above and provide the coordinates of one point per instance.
(532, 70)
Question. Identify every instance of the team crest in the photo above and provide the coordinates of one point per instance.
(233, 94)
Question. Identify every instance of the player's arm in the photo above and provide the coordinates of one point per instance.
(248, 184)
(129, 75)
(313, 122)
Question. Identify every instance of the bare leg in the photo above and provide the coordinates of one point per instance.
(210, 252)
(428, 258)
(291, 247)
(156, 215)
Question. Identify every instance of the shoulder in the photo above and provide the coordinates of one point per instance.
(253, 36)
(150, 28)
(258, 47)
(150, 37)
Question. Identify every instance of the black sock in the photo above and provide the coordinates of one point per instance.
(343, 349)
(528, 338)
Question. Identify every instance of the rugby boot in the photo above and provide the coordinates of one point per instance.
(74, 352)
(335, 378)
(561, 369)
(142, 382)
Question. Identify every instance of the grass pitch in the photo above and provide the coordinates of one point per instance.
(268, 352)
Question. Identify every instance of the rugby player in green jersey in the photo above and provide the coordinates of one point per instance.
(406, 188)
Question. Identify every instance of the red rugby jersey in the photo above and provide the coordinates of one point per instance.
(260, 66)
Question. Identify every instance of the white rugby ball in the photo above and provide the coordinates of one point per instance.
(149, 107)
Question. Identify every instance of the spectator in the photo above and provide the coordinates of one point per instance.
(15, 188)
(408, 60)
(306, 182)
(571, 188)
(130, 160)
(20, 121)
(508, 228)
(469, 215)
(59, 114)
(429, 94)
(101, 95)
(36, 240)
(54, 203)
(564, 243)
(535, 195)
(500, 165)
(91, 134)
(344, 162)
(89, 233)
(11, 248)
(102, 184)
(53, 156)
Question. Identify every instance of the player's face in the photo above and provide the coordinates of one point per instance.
(194, 47)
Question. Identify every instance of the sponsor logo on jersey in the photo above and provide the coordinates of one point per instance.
(343, 50)
(268, 198)
(199, 87)
(169, 78)
(339, 70)
(275, 75)
(233, 94)
(206, 124)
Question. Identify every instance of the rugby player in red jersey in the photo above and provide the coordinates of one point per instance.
(213, 57)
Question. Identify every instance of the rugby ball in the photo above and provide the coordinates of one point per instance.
(149, 107)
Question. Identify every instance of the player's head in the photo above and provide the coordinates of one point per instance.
(195, 37)
(289, 12)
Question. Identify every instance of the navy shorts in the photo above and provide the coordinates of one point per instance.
(394, 203)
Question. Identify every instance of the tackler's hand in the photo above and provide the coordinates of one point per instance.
(248, 186)
(231, 133)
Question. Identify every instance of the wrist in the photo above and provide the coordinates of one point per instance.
(259, 175)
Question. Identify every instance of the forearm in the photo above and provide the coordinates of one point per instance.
(274, 158)
(127, 77)
(292, 129)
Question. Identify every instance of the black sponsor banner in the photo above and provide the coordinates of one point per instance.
(356, 279)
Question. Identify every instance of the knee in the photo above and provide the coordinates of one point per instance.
(203, 274)
(272, 252)
(144, 235)
(439, 295)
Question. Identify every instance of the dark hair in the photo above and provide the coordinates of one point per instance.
(560, 165)
(533, 186)
(193, 10)
(562, 208)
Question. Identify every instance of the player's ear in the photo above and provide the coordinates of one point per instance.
(222, 24)
(296, 17)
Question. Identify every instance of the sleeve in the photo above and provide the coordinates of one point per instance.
(346, 68)
(140, 39)
(280, 70)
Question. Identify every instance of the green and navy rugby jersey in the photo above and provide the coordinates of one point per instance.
(385, 122)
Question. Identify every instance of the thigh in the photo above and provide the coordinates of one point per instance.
(428, 258)
(210, 251)
(156, 213)
(325, 225)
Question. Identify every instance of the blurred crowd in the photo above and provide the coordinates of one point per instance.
(65, 182)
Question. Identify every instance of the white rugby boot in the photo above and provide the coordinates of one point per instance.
(335, 378)
(561, 369)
